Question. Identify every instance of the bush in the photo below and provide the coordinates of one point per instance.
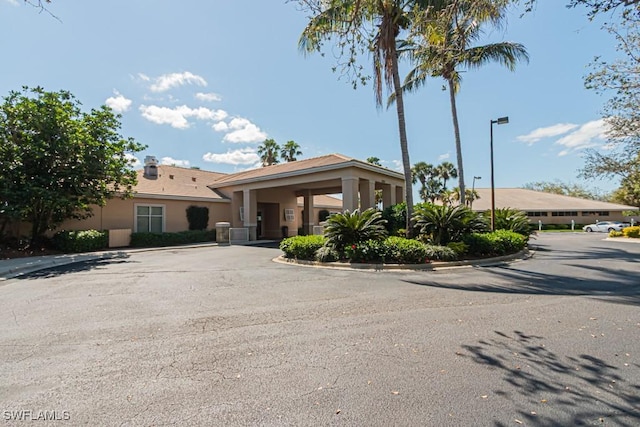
(441, 253)
(323, 214)
(349, 228)
(614, 233)
(198, 217)
(460, 248)
(516, 220)
(142, 240)
(302, 247)
(81, 241)
(396, 217)
(633, 232)
(405, 251)
(327, 254)
(500, 242)
(367, 251)
(443, 224)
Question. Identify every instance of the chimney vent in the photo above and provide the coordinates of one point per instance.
(151, 167)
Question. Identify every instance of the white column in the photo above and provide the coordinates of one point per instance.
(250, 206)
(349, 194)
(308, 220)
(367, 194)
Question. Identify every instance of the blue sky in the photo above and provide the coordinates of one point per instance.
(203, 83)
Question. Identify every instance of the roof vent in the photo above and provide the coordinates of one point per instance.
(150, 167)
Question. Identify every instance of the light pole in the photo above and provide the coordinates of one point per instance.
(499, 121)
(473, 191)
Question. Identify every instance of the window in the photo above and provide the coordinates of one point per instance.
(149, 218)
(536, 214)
(595, 213)
(564, 213)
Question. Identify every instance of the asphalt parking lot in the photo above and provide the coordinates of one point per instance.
(225, 336)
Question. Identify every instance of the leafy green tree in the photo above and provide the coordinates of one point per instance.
(446, 44)
(368, 27)
(268, 152)
(374, 161)
(350, 228)
(57, 161)
(290, 151)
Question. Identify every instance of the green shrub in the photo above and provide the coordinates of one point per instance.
(441, 253)
(367, 251)
(614, 233)
(500, 242)
(460, 248)
(198, 217)
(515, 220)
(396, 217)
(633, 232)
(349, 228)
(327, 254)
(142, 240)
(405, 251)
(302, 247)
(443, 224)
(81, 241)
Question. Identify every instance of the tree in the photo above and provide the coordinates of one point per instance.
(268, 152)
(595, 6)
(57, 161)
(371, 27)
(443, 46)
(620, 80)
(374, 161)
(565, 189)
(290, 151)
(445, 171)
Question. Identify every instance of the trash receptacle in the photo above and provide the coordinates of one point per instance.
(222, 233)
(285, 231)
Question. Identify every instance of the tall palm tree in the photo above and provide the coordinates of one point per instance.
(268, 152)
(445, 46)
(290, 151)
(446, 171)
(373, 26)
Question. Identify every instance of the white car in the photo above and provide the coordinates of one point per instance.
(606, 226)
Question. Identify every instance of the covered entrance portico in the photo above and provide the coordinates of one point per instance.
(273, 191)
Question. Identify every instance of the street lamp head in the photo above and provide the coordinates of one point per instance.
(501, 120)
(477, 177)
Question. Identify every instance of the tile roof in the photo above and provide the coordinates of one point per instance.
(530, 200)
(300, 166)
(173, 181)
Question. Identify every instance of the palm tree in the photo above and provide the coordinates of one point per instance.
(368, 26)
(445, 46)
(268, 152)
(421, 172)
(374, 161)
(445, 171)
(290, 151)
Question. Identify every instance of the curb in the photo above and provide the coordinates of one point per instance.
(437, 265)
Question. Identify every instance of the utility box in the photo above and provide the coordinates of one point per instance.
(222, 233)
(119, 237)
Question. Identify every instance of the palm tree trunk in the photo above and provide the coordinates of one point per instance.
(406, 164)
(456, 131)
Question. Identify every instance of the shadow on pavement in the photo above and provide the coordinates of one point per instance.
(77, 267)
(560, 390)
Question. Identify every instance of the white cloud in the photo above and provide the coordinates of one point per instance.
(177, 117)
(168, 81)
(546, 132)
(240, 130)
(397, 165)
(209, 97)
(144, 77)
(118, 103)
(173, 162)
(13, 2)
(588, 135)
(133, 160)
(442, 157)
(243, 156)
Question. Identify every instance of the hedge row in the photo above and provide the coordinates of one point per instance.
(81, 241)
(391, 250)
(143, 240)
(500, 242)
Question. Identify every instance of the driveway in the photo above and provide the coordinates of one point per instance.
(225, 336)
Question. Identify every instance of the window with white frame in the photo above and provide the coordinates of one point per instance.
(289, 215)
(149, 218)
